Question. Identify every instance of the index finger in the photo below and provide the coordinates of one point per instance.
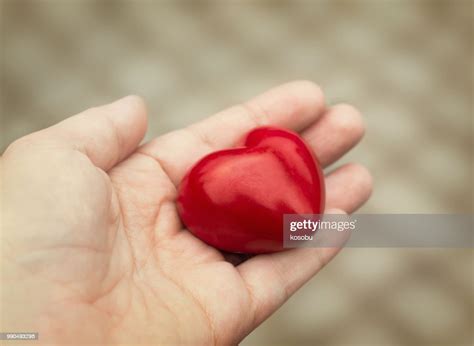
(294, 105)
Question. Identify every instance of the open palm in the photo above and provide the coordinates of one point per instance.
(92, 245)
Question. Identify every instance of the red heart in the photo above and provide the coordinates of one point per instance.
(235, 199)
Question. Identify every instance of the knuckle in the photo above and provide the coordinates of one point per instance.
(349, 118)
(310, 86)
(137, 103)
(21, 144)
(363, 177)
(307, 87)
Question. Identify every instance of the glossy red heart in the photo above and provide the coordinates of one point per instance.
(235, 199)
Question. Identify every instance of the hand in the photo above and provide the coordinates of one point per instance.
(93, 250)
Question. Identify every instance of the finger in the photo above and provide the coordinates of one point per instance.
(348, 187)
(106, 134)
(294, 105)
(339, 129)
(271, 279)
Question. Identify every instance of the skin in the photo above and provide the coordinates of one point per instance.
(92, 247)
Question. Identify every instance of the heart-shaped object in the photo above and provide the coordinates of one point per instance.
(235, 199)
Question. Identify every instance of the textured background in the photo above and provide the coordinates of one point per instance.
(407, 65)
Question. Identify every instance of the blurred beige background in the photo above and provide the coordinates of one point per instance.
(407, 65)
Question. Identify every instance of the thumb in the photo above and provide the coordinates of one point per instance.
(106, 134)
